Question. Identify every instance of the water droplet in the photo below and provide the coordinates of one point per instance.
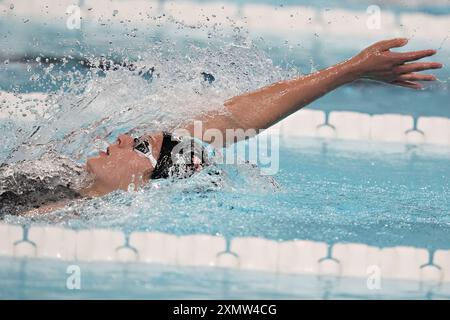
(141, 181)
(11, 6)
(132, 186)
(115, 12)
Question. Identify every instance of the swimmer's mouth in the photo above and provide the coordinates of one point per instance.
(103, 153)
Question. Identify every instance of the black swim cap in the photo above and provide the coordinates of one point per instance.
(176, 157)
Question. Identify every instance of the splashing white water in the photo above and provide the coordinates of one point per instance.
(184, 82)
(168, 85)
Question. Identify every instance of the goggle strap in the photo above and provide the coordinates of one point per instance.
(149, 154)
(151, 158)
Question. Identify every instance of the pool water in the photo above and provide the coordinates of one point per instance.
(45, 279)
(47, 55)
(325, 190)
(329, 191)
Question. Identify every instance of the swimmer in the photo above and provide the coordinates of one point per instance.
(134, 161)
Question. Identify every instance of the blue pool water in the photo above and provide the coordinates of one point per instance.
(332, 191)
(335, 191)
(41, 279)
(26, 47)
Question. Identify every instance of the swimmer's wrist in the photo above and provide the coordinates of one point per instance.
(349, 71)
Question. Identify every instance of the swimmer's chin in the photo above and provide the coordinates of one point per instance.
(87, 182)
(90, 165)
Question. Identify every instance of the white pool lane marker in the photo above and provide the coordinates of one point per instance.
(343, 125)
(251, 254)
(288, 257)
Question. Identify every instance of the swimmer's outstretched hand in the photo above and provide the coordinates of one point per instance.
(377, 62)
(264, 107)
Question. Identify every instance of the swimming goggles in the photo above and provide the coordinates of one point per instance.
(143, 147)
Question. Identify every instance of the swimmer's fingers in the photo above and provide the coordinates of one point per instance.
(407, 84)
(385, 45)
(402, 57)
(416, 77)
(379, 63)
(415, 67)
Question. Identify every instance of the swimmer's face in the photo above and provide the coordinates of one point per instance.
(115, 168)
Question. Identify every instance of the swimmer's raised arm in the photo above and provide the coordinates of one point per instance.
(266, 106)
(133, 161)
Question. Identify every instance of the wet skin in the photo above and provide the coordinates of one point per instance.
(266, 106)
(114, 168)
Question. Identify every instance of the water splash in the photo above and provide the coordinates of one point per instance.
(102, 104)
(168, 85)
(28, 184)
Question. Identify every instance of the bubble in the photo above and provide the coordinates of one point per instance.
(132, 186)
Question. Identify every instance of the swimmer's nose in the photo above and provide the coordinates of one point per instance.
(125, 141)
